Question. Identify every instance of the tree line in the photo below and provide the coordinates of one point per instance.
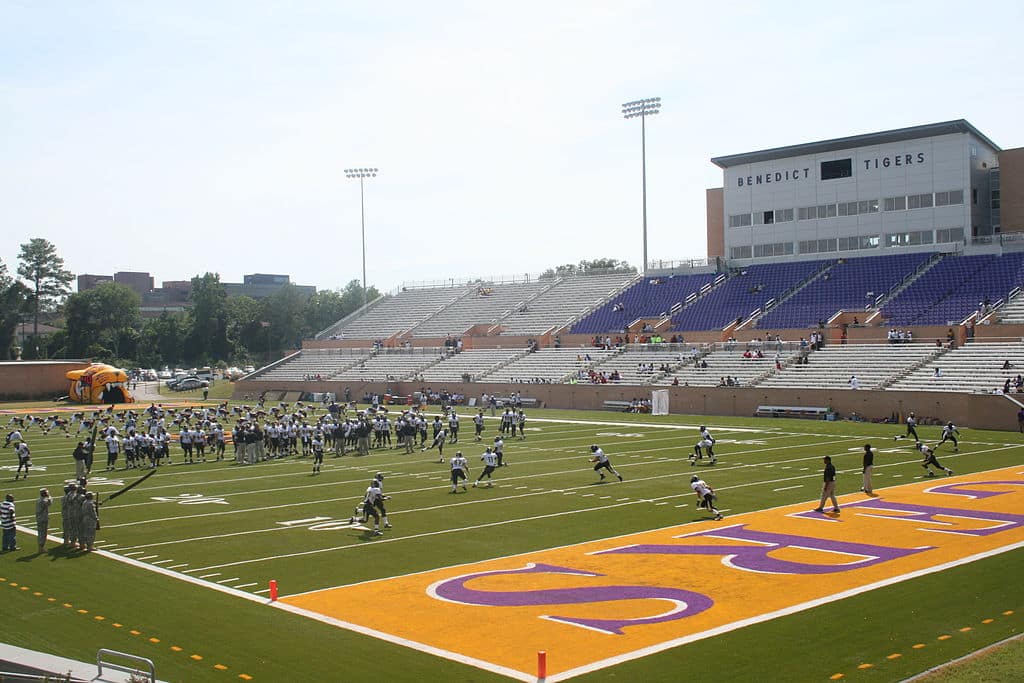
(105, 323)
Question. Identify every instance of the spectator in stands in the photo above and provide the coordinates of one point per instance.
(938, 373)
(949, 335)
(675, 383)
(854, 382)
(1006, 364)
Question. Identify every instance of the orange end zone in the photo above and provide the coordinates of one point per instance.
(599, 603)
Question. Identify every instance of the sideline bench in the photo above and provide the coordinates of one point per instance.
(526, 402)
(811, 413)
(618, 406)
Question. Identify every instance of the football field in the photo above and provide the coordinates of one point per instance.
(612, 580)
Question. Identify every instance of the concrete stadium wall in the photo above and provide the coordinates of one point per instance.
(979, 411)
(21, 380)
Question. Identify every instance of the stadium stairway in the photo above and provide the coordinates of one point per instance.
(753, 320)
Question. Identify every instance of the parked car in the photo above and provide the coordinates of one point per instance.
(190, 383)
(248, 369)
(233, 373)
(164, 374)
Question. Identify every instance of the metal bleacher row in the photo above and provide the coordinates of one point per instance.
(976, 367)
(907, 288)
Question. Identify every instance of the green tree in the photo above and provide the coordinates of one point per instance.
(44, 270)
(105, 316)
(284, 311)
(14, 300)
(601, 265)
(162, 339)
(606, 265)
(245, 331)
(208, 339)
(352, 297)
(323, 309)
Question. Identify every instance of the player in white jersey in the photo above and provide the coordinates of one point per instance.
(949, 433)
(478, 424)
(460, 468)
(706, 441)
(601, 462)
(316, 444)
(453, 426)
(113, 448)
(930, 460)
(305, 437)
(440, 437)
(499, 451)
(379, 478)
(911, 428)
(24, 458)
(490, 464)
(373, 493)
(521, 421)
(14, 437)
(705, 494)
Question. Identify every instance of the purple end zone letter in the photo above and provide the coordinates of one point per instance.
(756, 558)
(685, 603)
(970, 490)
(927, 513)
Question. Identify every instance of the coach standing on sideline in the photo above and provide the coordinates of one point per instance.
(79, 456)
(868, 466)
(828, 488)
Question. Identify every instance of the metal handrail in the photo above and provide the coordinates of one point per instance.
(121, 667)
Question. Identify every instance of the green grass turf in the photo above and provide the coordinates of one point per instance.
(271, 645)
(1001, 663)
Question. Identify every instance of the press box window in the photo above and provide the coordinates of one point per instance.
(840, 168)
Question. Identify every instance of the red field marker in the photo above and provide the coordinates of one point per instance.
(273, 590)
(542, 665)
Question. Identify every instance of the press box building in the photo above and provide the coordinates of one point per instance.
(936, 184)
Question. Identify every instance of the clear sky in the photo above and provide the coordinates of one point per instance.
(184, 137)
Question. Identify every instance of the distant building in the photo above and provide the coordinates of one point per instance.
(262, 285)
(140, 283)
(87, 282)
(173, 295)
(929, 185)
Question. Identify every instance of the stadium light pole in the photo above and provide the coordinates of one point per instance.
(643, 109)
(361, 174)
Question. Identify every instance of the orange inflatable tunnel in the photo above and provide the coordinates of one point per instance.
(99, 383)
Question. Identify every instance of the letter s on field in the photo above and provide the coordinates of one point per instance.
(684, 603)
